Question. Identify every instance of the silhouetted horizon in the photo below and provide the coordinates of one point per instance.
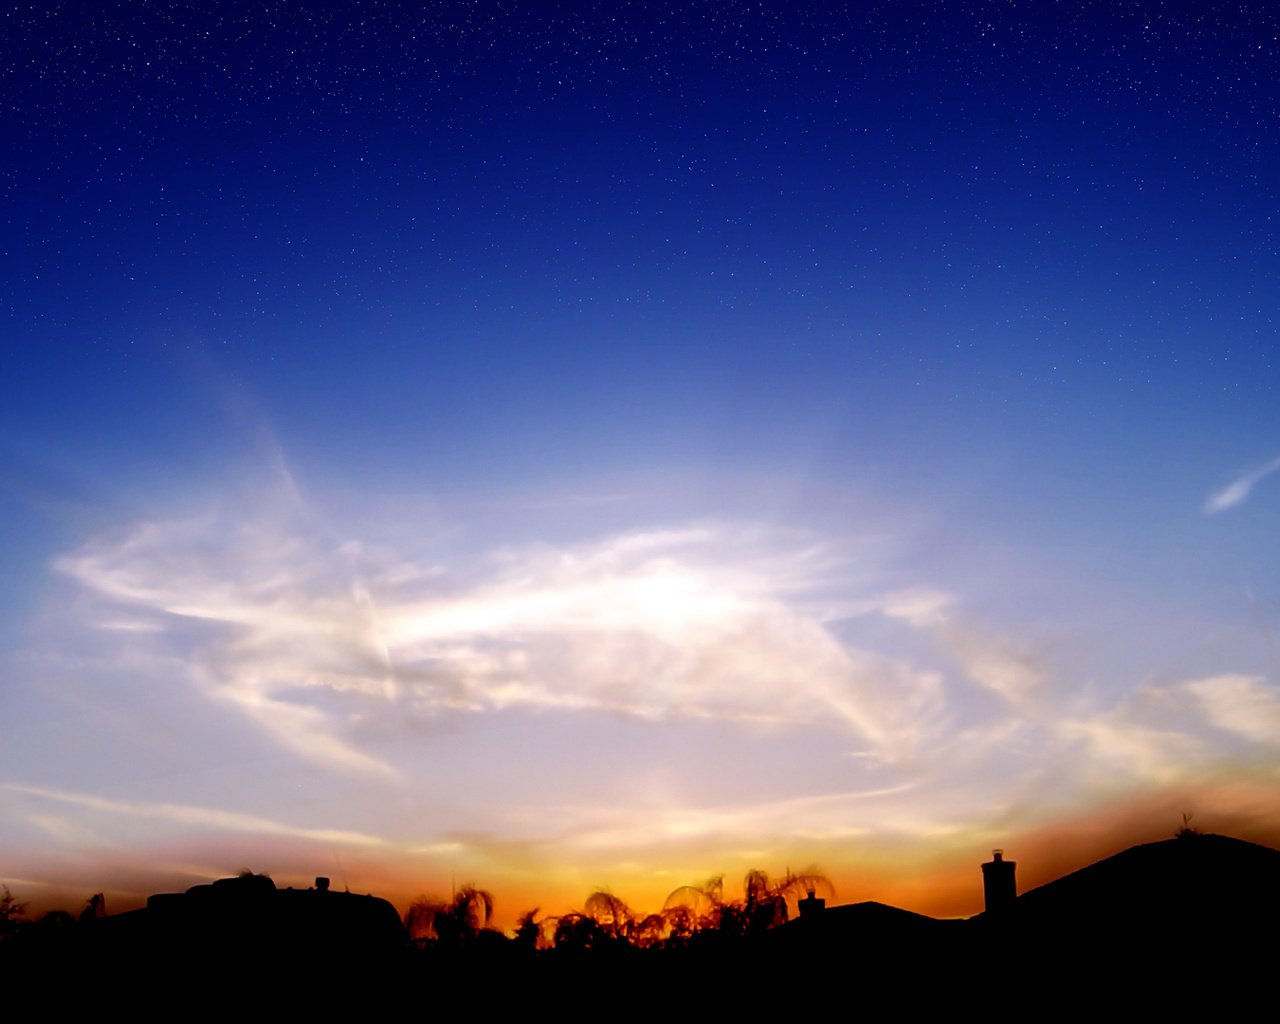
(1141, 871)
(1194, 901)
(570, 449)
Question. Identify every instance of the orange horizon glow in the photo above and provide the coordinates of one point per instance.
(938, 880)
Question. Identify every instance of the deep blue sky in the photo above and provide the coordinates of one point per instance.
(981, 297)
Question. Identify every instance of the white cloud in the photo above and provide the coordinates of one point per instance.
(614, 827)
(320, 639)
(1123, 749)
(922, 608)
(1243, 705)
(994, 662)
(1160, 733)
(1237, 492)
(341, 649)
(185, 814)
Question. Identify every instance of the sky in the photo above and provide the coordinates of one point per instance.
(564, 446)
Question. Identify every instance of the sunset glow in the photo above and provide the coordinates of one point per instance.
(573, 451)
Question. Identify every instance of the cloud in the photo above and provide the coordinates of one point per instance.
(1237, 492)
(615, 827)
(1124, 748)
(184, 814)
(325, 641)
(356, 650)
(923, 608)
(1163, 733)
(1243, 705)
(996, 663)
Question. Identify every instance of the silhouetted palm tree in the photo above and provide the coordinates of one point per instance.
(681, 923)
(615, 918)
(696, 907)
(576, 933)
(764, 903)
(529, 930)
(652, 931)
(453, 923)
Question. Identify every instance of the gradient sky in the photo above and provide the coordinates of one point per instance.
(565, 445)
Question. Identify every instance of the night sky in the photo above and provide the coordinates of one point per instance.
(555, 445)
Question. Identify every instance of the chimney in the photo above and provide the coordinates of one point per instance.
(811, 906)
(998, 884)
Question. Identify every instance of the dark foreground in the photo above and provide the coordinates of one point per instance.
(1185, 926)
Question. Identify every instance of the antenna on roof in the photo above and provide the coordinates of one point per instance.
(342, 871)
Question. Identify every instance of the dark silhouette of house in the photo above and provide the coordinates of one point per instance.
(1203, 906)
(1207, 879)
(1143, 925)
(1197, 901)
(249, 920)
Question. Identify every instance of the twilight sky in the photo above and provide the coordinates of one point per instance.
(564, 445)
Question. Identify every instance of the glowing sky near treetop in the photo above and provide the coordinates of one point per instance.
(578, 446)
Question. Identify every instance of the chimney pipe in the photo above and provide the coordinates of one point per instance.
(999, 885)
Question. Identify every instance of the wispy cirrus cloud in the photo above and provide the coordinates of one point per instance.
(322, 639)
(1245, 706)
(810, 815)
(1237, 492)
(355, 654)
(191, 816)
(996, 663)
(1162, 733)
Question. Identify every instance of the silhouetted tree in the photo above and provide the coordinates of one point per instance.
(11, 914)
(56, 922)
(94, 907)
(652, 931)
(615, 918)
(577, 933)
(764, 903)
(692, 908)
(681, 923)
(529, 930)
(454, 923)
(1187, 831)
